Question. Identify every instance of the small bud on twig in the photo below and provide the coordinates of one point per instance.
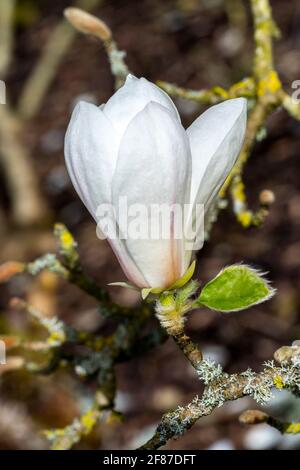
(286, 353)
(267, 197)
(253, 417)
(10, 269)
(17, 303)
(12, 363)
(87, 23)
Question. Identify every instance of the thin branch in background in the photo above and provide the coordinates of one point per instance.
(264, 89)
(7, 8)
(66, 438)
(45, 70)
(28, 205)
(257, 417)
(213, 95)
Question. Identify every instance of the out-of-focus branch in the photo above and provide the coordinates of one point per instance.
(66, 438)
(264, 31)
(213, 95)
(264, 89)
(222, 387)
(258, 417)
(69, 268)
(257, 117)
(88, 354)
(266, 101)
(6, 35)
(28, 206)
(45, 70)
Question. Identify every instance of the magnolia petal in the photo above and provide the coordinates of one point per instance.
(153, 167)
(131, 98)
(216, 139)
(91, 148)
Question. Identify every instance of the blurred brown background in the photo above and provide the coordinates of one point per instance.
(195, 43)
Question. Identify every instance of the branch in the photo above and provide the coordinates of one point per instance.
(221, 388)
(213, 95)
(15, 160)
(66, 438)
(258, 417)
(264, 89)
(7, 8)
(28, 205)
(171, 309)
(264, 31)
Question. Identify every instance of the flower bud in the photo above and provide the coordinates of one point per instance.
(286, 353)
(134, 148)
(266, 197)
(253, 417)
(87, 23)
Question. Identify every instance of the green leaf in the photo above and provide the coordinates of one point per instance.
(235, 288)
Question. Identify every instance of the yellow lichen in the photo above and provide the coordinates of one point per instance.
(269, 85)
(292, 428)
(56, 338)
(239, 192)
(243, 88)
(66, 239)
(245, 218)
(89, 420)
(220, 92)
(278, 382)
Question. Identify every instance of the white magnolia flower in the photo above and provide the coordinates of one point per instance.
(134, 146)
